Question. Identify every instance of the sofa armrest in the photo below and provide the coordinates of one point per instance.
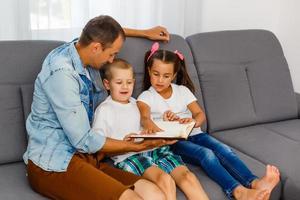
(298, 103)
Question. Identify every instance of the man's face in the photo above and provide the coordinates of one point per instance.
(102, 56)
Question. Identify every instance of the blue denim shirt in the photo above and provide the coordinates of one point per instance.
(59, 124)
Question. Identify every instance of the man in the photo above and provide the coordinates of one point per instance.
(64, 155)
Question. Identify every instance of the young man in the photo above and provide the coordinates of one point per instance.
(64, 155)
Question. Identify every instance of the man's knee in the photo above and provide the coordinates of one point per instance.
(149, 190)
(130, 195)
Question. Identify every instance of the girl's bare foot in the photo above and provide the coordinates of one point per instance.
(269, 181)
(242, 193)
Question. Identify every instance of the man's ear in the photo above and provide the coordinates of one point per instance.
(106, 84)
(96, 47)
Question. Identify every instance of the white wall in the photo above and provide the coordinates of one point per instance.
(279, 16)
(181, 17)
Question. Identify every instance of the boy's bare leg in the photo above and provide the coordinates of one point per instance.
(163, 180)
(188, 183)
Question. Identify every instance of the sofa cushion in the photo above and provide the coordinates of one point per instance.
(12, 127)
(215, 192)
(226, 95)
(291, 189)
(272, 90)
(14, 184)
(298, 103)
(27, 96)
(134, 50)
(22, 60)
(260, 54)
(267, 147)
(289, 128)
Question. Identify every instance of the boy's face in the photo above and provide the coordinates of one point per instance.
(121, 84)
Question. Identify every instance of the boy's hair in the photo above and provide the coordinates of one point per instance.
(118, 63)
(182, 77)
(103, 29)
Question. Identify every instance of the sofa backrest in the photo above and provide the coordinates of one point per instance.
(20, 61)
(244, 78)
(134, 50)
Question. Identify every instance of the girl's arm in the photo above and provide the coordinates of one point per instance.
(155, 33)
(197, 113)
(146, 120)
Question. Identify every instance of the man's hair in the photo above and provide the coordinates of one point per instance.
(103, 29)
(118, 63)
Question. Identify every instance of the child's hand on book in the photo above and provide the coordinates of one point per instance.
(185, 120)
(170, 116)
(151, 128)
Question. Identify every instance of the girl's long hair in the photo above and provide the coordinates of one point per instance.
(182, 77)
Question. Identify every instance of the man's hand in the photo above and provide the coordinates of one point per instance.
(157, 33)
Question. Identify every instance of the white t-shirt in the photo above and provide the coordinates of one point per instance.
(87, 73)
(116, 120)
(181, 97)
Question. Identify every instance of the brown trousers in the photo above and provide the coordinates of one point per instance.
(87, 178)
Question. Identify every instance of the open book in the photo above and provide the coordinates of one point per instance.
(173, 130)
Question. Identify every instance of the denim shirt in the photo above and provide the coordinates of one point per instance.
(63, 99)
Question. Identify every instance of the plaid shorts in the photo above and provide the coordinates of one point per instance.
(162, 157)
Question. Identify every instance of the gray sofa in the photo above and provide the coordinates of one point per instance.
(243, 84)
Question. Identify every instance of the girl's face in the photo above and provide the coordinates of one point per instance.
(121, 85)
(161, 75)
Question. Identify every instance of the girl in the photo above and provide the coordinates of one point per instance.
(118, 116)
(170, 101)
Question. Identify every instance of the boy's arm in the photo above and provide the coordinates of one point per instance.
(198, 114)
(155, 33)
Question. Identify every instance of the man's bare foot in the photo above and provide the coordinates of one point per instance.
(269, 181)
(242, 193)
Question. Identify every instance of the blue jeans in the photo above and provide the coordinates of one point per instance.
(217, 159)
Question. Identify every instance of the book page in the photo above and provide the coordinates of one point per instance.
(170, 130)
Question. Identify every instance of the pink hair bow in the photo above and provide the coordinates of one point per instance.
(180, 55)
(154, 48)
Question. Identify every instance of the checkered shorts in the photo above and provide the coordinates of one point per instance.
(162, 157)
